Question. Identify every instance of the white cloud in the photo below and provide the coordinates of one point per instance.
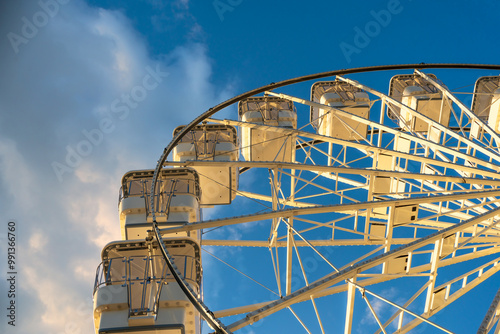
(58, 89)
(38, 241)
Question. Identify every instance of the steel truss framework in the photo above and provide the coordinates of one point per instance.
(399, 223)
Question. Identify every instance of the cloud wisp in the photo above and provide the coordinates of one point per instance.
(85, 85)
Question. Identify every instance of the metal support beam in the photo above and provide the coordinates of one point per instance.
(349, 171)
(349, 312)
(343, 208)
(492, 316)
(428, 120)
(462, 107)
(366, 148)
(334, 278)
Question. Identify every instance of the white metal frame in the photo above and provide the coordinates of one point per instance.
(450, 175)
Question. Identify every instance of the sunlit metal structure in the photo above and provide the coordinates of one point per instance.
(348, 207)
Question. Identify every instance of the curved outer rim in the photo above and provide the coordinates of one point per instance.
(199, 305)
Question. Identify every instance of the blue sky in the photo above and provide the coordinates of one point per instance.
(65, 80)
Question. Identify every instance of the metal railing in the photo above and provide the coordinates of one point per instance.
(166, 189)
(269, 108)
(144, 277)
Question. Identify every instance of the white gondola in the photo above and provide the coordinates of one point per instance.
(211, 142)
(265, 144)
(135, 292)
(420, 95)
(340, 95)
(177, 200)
(486, 103)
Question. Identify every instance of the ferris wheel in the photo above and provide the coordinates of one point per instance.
(328, 206)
